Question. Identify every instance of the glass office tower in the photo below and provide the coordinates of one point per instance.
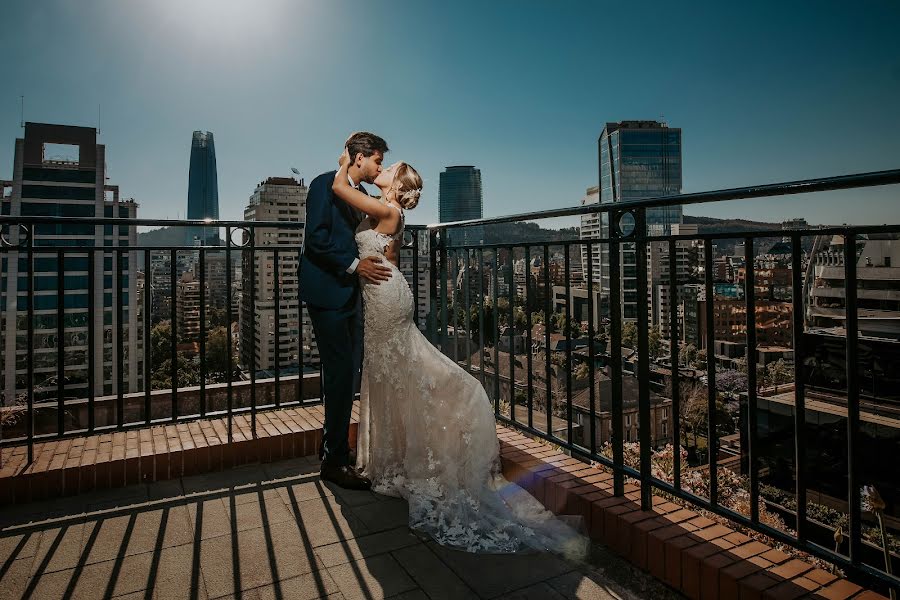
(638, 159)
(203, 187)
(459, 198)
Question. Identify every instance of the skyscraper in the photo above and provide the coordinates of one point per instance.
(638, 159)
(459, 198)
(60, 171)
(275, 199)
(203, 187)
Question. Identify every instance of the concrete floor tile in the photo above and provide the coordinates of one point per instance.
(377, 577)
(583, 587)
(14, 579)
(261, 560)
(491, 575)
(322, 522)
(379, 516)
(365, 546)
(311, 586)
(434, 577)
(538, 591)
(60, 548)
(17, 546)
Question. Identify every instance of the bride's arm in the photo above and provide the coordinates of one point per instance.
(355, 198)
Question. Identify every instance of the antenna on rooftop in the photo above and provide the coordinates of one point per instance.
(98, 121)
(22, 111)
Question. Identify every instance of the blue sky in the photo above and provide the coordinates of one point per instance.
(763, 91)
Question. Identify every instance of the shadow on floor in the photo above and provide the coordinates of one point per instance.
(268, 531)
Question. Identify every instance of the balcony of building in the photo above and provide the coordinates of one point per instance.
(117, 483)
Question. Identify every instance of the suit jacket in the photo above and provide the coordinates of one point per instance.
(329, 247)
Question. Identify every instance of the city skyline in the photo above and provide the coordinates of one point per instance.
(469, 106)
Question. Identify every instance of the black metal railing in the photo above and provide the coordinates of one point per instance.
(89, 326)
(546, 409)
(495, 265)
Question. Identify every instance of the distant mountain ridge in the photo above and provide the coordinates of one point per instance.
(164, 236)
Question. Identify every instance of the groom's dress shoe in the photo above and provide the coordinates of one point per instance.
(345, 476)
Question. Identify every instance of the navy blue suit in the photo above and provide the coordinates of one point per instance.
(335, 309)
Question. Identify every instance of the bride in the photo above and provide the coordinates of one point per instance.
(427, 431)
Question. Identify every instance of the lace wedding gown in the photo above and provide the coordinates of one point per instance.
(427, 433)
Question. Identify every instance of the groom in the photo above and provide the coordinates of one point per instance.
(330, 269)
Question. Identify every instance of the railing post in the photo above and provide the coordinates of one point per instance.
(799, 387)
(853, 420)
(712, 443)
(615, 354)
(173, 329)
(203, 333)
(674, 347)
(752, 417)
(640, 229)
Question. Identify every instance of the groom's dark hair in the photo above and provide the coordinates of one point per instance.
(365, 143)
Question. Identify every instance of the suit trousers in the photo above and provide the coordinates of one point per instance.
(339, 336)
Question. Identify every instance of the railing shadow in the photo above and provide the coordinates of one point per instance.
(211, 535)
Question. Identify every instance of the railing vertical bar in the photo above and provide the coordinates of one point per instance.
(120, 339)
(173, 328)
(29, 343)
(431, 319)
(228, 317)
(674, 347)
(712, 445)
(92, 338)
(495, 327)
(547, 314)
(853, 418)
(799, 387)
(301, 351)
(643, 349)
(511, 329)
(415, 276)
(481, 353)
(202, 258)
(528, 341)
(592, 371)
(276, 297)
(148, 323)
(467, 303)
(615, 366)
(442, 282)
(568, 315)
(453, 273)
(752, 418)
(253, 316)
(60, 343)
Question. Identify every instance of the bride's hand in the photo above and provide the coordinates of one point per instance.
(344, 158)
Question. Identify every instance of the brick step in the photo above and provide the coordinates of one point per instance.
(702, 558)
(109, 460)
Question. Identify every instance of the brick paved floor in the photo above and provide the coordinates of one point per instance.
(269, 531)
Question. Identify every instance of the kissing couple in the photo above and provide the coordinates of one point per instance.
(427, 431)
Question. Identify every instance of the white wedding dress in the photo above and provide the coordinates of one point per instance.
(427, 433)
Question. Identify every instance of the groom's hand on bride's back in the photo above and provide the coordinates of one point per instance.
(372, 270)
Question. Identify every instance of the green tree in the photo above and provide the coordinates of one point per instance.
(218, 366)
(582, 371)
(778, 373)
(629, 335)
(688, 354)
(700, 361)
(654, 339)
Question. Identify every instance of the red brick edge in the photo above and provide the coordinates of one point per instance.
(699, 557)
(110, 460)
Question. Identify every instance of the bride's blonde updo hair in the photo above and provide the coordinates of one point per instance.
(408, 186)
